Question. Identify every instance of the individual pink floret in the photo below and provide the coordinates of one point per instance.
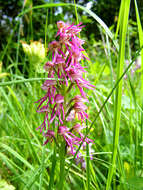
(58, 109)
(69, 137)
(50, 135)
(80, 111)
(77, 128)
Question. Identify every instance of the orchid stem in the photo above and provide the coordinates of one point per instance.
(62, 166)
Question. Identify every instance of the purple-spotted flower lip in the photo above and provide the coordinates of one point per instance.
(54, 45)
(59, 98)
(48, 66)
(79, 107)
(75, 75)
(77, 41)
(61, 24)
(70, 138)
(58, 109)
(78, 127)
(62, 130)
(43, 109)
(50, 135)
(59, 59)
(48, 83)
(79, 98)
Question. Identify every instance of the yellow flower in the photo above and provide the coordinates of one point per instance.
(2, 75)
(35, 51)
(36, 54)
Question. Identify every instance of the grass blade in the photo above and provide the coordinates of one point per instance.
(92, 14)
(140, 31)
(25, 80)
(118, 98)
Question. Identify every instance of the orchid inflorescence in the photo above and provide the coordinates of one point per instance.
(60, 108)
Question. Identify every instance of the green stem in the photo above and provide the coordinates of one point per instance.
(62, 166)
(54, 161)
(42, 167)
(87, 163)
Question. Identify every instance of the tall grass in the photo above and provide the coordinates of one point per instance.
(120, 65)
(140, 31)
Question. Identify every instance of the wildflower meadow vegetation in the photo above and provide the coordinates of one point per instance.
(71, 100)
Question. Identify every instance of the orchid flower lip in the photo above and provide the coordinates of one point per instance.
(59, 98)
